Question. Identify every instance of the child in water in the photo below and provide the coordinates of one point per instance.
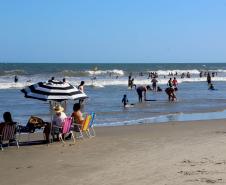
(125, 100)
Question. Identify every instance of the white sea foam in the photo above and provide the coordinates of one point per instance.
(14, 72)
(102, 72)
(7, 82)
(179, 72)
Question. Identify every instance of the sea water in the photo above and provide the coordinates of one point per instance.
(194, 100)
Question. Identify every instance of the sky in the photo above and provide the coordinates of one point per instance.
(118, 31)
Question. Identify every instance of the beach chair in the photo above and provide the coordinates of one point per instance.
(84, 128)
(92, 132)
(8, 134)
(66, 129)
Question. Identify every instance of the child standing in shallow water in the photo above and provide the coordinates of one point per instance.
(125, 100)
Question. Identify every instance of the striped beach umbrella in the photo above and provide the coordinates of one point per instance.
(53, 90)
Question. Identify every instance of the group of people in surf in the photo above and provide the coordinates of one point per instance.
(141, 90)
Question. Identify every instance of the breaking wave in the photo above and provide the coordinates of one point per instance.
(109, 72)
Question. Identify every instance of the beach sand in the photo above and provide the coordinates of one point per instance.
(175, 153)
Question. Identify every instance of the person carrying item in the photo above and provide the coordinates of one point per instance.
(140, 90)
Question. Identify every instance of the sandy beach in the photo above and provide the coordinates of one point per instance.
(159, 154)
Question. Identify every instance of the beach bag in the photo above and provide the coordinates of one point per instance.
(34, 122)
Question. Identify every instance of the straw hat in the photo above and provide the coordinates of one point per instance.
(58, 108)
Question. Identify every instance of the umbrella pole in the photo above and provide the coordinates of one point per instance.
(51, 121)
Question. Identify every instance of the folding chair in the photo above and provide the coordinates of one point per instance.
(84, 128)
(66, 129)
(8, 134)
(91, 125)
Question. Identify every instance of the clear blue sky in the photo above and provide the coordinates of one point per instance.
(113, 31)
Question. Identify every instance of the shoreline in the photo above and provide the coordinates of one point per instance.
(172, 154)
(176, 117)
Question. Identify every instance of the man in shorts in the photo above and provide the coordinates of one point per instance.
(140, 90)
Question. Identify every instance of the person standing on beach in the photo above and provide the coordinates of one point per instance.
(140, 90)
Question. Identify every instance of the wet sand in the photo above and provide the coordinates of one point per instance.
(175, 153)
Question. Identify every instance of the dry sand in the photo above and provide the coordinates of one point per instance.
(177, 153)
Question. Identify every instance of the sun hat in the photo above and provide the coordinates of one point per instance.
(58, 108)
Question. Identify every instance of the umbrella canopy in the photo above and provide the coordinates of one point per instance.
(53, 90)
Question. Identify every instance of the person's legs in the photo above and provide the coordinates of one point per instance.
(139, 92)
(46, 132)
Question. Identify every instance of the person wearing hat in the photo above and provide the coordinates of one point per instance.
(58, 118)
(56, 123)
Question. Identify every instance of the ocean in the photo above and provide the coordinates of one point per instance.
(194, 100)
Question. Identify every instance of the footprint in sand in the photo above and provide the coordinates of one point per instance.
(207, 180)
(193, 172)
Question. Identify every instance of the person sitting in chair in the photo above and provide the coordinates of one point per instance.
(57, 122)
(58, 119)
(77, 115)
(7, 121)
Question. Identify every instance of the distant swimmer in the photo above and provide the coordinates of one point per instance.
(64, 80)
(211, 87)
(52, 79)
(159, 89)
(142, 89)
(16, 79)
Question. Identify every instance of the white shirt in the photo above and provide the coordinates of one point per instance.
(58, 120)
